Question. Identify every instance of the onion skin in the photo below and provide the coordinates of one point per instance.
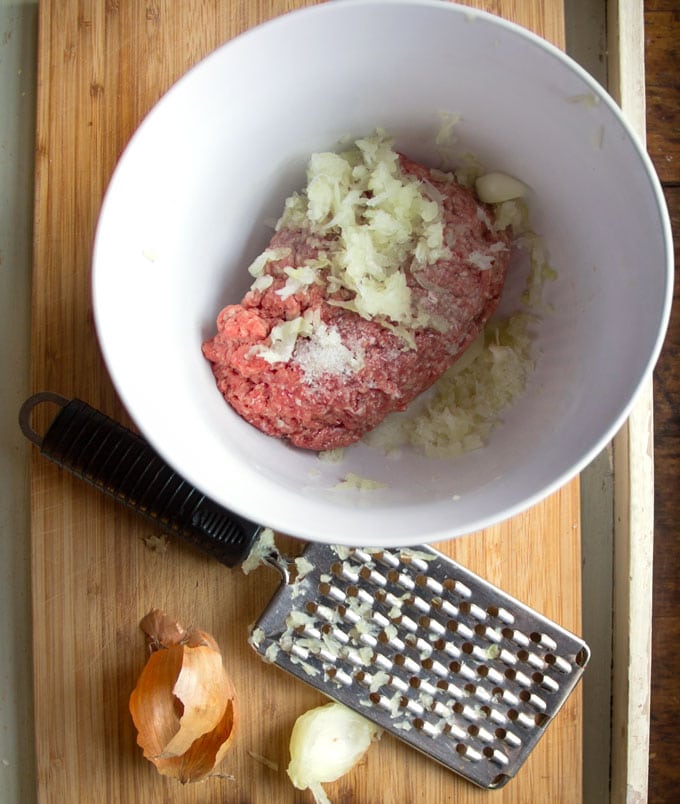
(184, 703)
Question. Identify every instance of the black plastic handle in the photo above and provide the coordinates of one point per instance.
(122, 464)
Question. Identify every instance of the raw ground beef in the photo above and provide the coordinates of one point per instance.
(341, 383)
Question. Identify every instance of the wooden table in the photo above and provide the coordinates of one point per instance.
(662, 34)
(101, 67)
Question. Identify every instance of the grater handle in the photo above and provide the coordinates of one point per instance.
(123, 465)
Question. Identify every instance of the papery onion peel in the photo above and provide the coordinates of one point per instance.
(184, 703)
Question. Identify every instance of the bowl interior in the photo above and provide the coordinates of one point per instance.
(193, 197)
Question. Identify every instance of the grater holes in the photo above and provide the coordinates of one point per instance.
(339, 676)
(380, 595)
(457, 587)
(468, 752)
(456, 627)
(507, 658)
(448, 648)
(408, 559)
(533, 700)
(367, 574)
(473, 610)
(546, 682)
(557, 662)
(407, 663)
(464, 670)
(526, 721)
(499, 613)
(544, 640)
(385, 558)
(513, 635)
(426, 582)
(522, 679)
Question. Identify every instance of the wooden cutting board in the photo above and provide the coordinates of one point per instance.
(102, 65)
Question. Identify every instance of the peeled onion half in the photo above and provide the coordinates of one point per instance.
(326, 742)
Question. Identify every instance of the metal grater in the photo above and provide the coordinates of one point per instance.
(434, 654)
(429, 651)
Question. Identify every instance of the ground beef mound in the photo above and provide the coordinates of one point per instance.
(337, 387)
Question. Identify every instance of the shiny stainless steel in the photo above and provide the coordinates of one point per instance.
(434, 654)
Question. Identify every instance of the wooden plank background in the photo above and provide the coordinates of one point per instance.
(101, 67)
(662, 67)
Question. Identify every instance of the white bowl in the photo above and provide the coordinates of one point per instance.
(188, 206)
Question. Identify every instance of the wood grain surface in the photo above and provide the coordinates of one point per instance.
(662, 57)
(102, 65)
